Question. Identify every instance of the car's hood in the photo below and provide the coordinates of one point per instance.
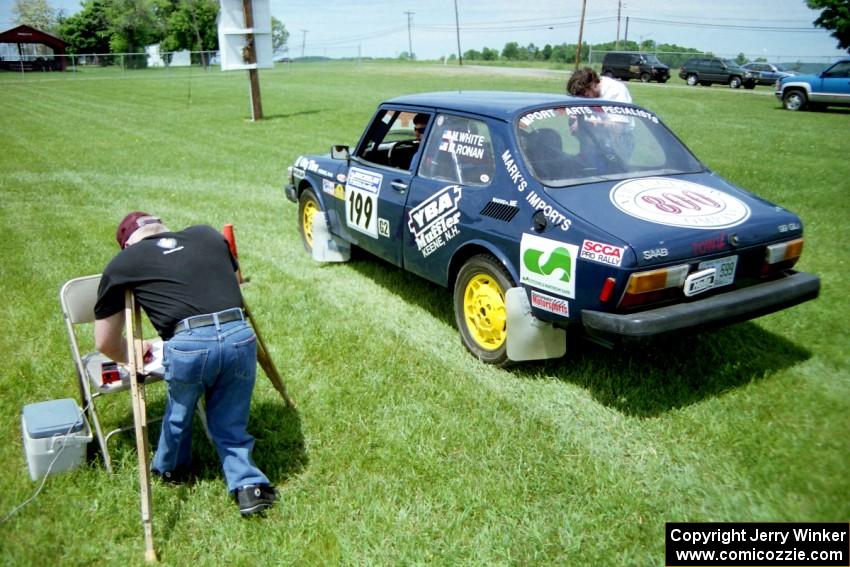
(664, 219)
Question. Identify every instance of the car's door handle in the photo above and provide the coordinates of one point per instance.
(399, 186)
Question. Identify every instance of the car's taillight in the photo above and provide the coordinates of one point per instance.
(654, 285)
(782, 256)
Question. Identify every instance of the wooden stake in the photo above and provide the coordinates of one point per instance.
(265, 359)
(133, 331)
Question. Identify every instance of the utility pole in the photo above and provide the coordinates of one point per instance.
(619, 7)
(457, 27)
(580, 32)
(251, 52)
(409, 37)
(303, 42)
(626, 38)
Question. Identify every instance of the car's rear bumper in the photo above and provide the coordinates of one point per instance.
(717, 310)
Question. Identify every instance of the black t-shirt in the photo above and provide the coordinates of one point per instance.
(174, 275)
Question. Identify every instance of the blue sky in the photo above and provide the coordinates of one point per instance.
(774, 29)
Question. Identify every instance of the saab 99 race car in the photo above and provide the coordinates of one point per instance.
(543, 211)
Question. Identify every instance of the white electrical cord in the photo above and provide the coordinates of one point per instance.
(46, 474)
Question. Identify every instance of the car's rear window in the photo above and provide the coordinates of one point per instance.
(570, 145)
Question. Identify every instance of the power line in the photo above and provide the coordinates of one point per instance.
(695, 24)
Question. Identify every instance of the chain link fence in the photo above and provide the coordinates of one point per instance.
(38, 58)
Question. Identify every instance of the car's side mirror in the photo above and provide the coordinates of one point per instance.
(340, 152)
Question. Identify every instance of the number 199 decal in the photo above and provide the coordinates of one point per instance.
(361, 201)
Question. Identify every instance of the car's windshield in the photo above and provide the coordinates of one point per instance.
(652, 59)
(571, 145)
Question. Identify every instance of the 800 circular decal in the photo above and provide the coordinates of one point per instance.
(674, 202)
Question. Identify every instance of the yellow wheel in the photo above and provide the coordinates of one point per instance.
(480, 309)
(308, 207)
(484, 310)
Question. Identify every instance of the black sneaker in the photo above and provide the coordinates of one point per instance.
(254, 498)
(181, 474)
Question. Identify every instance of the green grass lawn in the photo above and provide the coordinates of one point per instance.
(404, 449)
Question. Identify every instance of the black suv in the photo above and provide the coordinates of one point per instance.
(707, 70)
(635, 66)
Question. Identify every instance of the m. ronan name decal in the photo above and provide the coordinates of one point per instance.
(674, 202)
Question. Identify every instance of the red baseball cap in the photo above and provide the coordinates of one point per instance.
(131, 223)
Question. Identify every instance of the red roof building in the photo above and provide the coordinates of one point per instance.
(47, 58)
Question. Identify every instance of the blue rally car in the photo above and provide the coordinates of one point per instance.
(542, 211)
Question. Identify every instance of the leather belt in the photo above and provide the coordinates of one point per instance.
(226, 316)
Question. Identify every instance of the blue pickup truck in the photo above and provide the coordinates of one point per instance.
(830, 87)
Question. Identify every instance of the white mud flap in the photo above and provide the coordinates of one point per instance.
(530, 338)
(327, 247)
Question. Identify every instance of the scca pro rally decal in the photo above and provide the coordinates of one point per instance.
(361, 200)
(548, 264)
(602, 253)
(674, 202)
(436, 220)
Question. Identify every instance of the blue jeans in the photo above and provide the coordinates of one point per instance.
(219, 362)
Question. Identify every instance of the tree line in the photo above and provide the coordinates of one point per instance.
(566, 53)
(127, 26)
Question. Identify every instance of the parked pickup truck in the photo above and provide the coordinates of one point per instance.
(830, 87)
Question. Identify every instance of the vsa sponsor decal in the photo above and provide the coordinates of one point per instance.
(675, 202)
(548, 264)
(602, 253)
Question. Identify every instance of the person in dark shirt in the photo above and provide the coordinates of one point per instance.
(186, 283)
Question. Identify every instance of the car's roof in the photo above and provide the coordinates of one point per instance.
(499, 104)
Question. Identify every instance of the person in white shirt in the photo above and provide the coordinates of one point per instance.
(587, 83)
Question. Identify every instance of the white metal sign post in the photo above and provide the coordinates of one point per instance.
(245, 41)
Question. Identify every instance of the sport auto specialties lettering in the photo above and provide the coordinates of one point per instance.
(675, 202)
(655, 253)
(533, 199)
(602, 253)
(551, 304)
(532, 117)
(548, 264)
(463, 144)
(710, 245)
(625, 110)
(436, 220)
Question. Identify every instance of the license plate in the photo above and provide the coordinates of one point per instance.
(699, 282)
(724, 269)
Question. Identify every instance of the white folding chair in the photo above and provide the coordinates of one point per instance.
(77, 298)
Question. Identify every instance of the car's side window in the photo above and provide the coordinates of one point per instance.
(393, 138)
(458, 150)
(840, 70)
